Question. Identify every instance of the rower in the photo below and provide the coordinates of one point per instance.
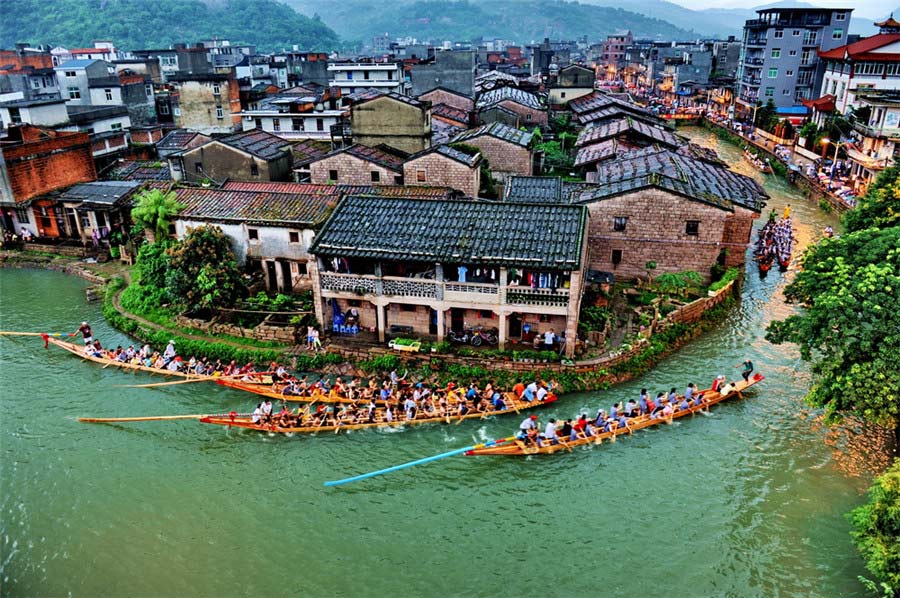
(169, 353)
(689, 391)
(528, 429)
(267, 410)
(550, 431)
(256, 417)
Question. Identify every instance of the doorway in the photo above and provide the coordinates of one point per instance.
(457, 319)
(272, 274)
(286, 278)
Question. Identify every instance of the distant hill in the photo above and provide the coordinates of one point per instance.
(521, 20)
(136, 24)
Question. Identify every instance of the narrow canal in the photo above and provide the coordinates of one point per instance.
(744, 502)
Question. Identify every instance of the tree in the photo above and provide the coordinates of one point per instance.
(877, 532)
(880, 206)
(203, 272)
(850, 329)
(153, 211)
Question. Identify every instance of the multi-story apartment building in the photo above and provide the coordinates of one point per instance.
(779, 54)
(356, 76)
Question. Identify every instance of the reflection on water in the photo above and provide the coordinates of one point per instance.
(745, 501)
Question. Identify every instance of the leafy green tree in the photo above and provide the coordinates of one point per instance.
(850, 329)
(153, 211)
(880, 206)
(203, 272)
(556, 159)
(877, 532)
(152, 264)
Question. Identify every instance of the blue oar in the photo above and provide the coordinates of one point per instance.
(419, 461)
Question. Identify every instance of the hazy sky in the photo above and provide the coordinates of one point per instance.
(871, 9)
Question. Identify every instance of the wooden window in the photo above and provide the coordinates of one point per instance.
(376, 176)
(253, 234)
(293, 236)
(22, 215)
(616, 256)
(333, 175)
(692, 227)
(297, 124)
(619, 223)
(276, 124)
(421, 175)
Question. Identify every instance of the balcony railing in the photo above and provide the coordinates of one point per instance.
(529, 296)
(754, 61)
(410, 287)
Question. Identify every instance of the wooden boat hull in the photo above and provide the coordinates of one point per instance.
(79, 351)
(518, 448)
(245, 422)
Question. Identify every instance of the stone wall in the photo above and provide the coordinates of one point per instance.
(441, 171)
(351, 171)
(504, 157)
(263, 332)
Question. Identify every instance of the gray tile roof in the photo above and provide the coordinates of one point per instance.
(533, 189)
(499, 131)
(100, 193)
(449, 152)
(632, 128)
(546, 237)
(691, 177)
(176, 140)
(258, 143)
(442, 131)
(140, 170)
(596, 152)
(597, 100)
(375, 155)
(373, 94)
(513, 94)
(256, 207)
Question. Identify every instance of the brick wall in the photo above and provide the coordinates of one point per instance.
(367, 315)
(504, 157)
(351, 171)
(655, 231)
(441, 171)
(529, 116)
(419, 319)
(439, 96)
(735, 237)
(38, 167)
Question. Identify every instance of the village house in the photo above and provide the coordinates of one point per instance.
(424, 267)
(526, 105)
(108, 127)
(359, 165)
(251, 155)
(391, 119)
(508, 151)
(27, 83)
(305, 153)
(35, 162)
(599, 106)
(572, 82)
(356, 76)
(338, 191)
(295, 117)
(608, 138)
(93, 210)
(180, 140)
(449, 69)
(680, 212)
(448, 97)
(447, 122)
(77, 79)
(139, 170)
(879, 136)
(445, 166)
(207, 102)
(269, 232)
(39, 113)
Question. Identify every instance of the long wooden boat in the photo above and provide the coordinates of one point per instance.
(238, 421)
(274, 392)
(519, 448)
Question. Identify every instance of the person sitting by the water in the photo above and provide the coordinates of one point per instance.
(169, 353)
(530, 391)
(498, 402)
(410, 407)
(689, 391)
(284, 417)
(291, 389)
(519, 389)
(685, 403)
(267, 411)
(388, 413)
(98, 349)
(566, 430)
(230, 369)
(698, 399)
(175, 364)
(129, 353)
(580, 424)
(727, 388)
(528, 428)
(672, 395)
(659, 404)
(667, 410)
(541, 394)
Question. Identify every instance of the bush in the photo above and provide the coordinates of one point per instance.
(730, 274)
(877, 532)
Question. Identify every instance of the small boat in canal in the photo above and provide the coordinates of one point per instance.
(519, 448)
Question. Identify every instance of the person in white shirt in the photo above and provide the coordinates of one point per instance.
(169, 353)
(257, 414)
(549, 338)
(541, 393)
(550, 431)
(267, 410)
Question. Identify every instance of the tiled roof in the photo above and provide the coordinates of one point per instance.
(252, 206)
(513, 94)
(87, 114)
(533, 189)
(692, 150)
(630, 127)
(258, 143)
(442, 131)
(106, 193)
(597, 100)
(450, 152)
(373, 94)
(140, 170)
(375, 155)
(309, 150)
(176, 140)
(863, 49)
(697, 179)
(450, 113)
(78, 63)
(472, 232)
(596, 152)
(413, 191)
(822, 104)
(499, 131)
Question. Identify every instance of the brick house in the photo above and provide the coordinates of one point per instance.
(405, 266)
(358, 165)
(444, 166)
(180, 140)
(447, 122)
(599, 106)
(442, 95)
(527, 105)
(391, 119)
(666, 207)
(251, 155)
(34, 162)
(572, 82)
(507, 150)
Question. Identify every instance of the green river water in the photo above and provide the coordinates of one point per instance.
(744, 502)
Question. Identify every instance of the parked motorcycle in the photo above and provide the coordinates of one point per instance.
(460, 338)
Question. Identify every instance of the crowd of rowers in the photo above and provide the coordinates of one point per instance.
(392, 400)
(663, 407)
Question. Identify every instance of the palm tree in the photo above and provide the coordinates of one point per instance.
(152, 212)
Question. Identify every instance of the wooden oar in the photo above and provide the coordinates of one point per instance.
(419, 462)
(9, 333)
(155, 384)
(107, 420)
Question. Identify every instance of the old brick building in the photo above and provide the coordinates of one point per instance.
(391, 119)
(444, 166)
(507, 150)
(442, 95)
(204, 102)
(252, 155)
(528, 106)
(359, 165)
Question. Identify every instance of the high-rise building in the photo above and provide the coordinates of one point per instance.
(779, 58)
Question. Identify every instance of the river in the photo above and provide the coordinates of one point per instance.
(744, 502)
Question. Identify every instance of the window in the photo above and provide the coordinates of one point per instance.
(421, 175)
(562, 95)
(70, 74)
(115, 127)
(773, 73)
(840, 16)
(616, 256)
(619, 223)
(779, 33)
(74, 93)
(776, 52)
(349, 75)
(692, 227)
(390, 75)
(276, 124)
(333, 175)
(376, 176)
(253, 234)
(320, 124)
(366, 75)
(254, 169)
(217, 90)
(528, 116)
(258, 123)
(148, 90)
(220, 114)
(789, 73)
(293, 237)
(792, 52)
(108, 94)
(837, 34)
(785, 92)
(486, 314)
(296, 124)
(796, 33)
(770, 92)
(36, 83)
(22, 215)
(198, 167)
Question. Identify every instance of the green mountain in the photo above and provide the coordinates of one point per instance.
(137, 24)
(521, 20)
